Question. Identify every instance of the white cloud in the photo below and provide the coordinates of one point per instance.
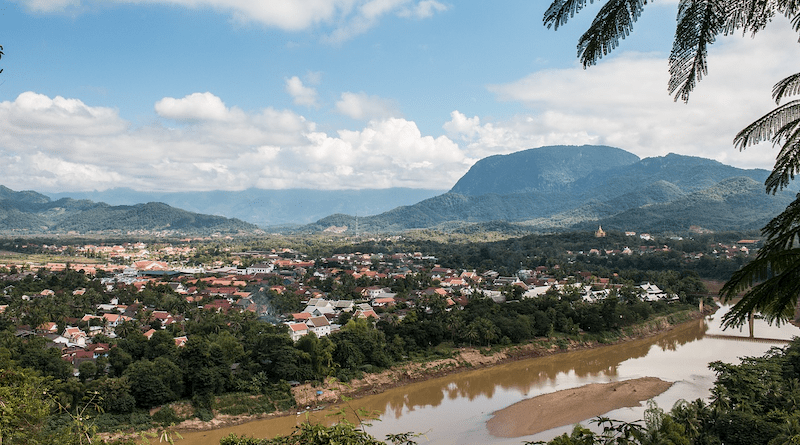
(347, 18)
(623, 102)
(196, 106)
(38, 114)
(301, 94)
(63, 144)
(362, 106)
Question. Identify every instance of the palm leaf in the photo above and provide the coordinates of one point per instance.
(791, 9)
(775, 298)
(562, 10)
(749, 15)
(786, 87)
(772, 281)
(783, 231)
(787, 163)
(776, 122)
(699, 22)
(613, 22)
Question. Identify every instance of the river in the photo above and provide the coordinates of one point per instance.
(454, 409)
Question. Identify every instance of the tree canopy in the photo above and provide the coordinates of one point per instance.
(771, 282)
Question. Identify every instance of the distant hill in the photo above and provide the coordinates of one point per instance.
(268, 207)
(29, 212)
(563, 187)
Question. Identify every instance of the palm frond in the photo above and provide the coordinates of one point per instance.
(613, 22)
(769, 126)
(786, 87)
(771, 282)
(783, 231)
(774, 298)
(699, 22)
(791, 10)
(562, 10)
(749, 15)
(787, 163)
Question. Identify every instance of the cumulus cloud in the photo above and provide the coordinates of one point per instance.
(346, 18)
(362, 106)
(301, 94)
(50, 144)
(38, 114)
(196, 106)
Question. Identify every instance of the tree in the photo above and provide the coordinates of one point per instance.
(24, 406)
(776, 268)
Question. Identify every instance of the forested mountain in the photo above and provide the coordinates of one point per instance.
(544, 169)
(30, 212)
(563, 187)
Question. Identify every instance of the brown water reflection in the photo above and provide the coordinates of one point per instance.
(478, 392)
(525, 376)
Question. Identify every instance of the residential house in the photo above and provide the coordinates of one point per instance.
(297, 330)
(319, 326)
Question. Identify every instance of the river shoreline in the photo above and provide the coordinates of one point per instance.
(313, 397)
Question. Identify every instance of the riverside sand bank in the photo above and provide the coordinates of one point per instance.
(571, 406)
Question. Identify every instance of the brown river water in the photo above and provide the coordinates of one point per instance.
(454, 409)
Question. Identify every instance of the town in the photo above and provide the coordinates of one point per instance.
(213, 319)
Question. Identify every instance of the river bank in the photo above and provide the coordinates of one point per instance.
(311, 397)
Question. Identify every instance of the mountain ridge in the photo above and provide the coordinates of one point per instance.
(634, 194)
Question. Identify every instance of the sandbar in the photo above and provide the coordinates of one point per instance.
(570, 406)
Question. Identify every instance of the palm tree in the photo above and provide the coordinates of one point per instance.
(772, 281)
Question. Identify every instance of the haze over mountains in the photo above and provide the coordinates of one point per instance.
(547, 188)
(268, 207)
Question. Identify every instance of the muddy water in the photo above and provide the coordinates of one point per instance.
(454, 409)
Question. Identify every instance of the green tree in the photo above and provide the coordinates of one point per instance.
(146, 385)
(771, 281)
(24, 406)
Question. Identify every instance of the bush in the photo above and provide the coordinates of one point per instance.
(166, 416)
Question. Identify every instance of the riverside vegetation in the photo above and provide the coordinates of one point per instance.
(237, 364)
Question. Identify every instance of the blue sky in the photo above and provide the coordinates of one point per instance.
(345, 94)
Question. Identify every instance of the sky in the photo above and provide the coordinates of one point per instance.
(196, 95)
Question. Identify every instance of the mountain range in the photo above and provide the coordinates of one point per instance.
(568, 187)
(546, 188)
